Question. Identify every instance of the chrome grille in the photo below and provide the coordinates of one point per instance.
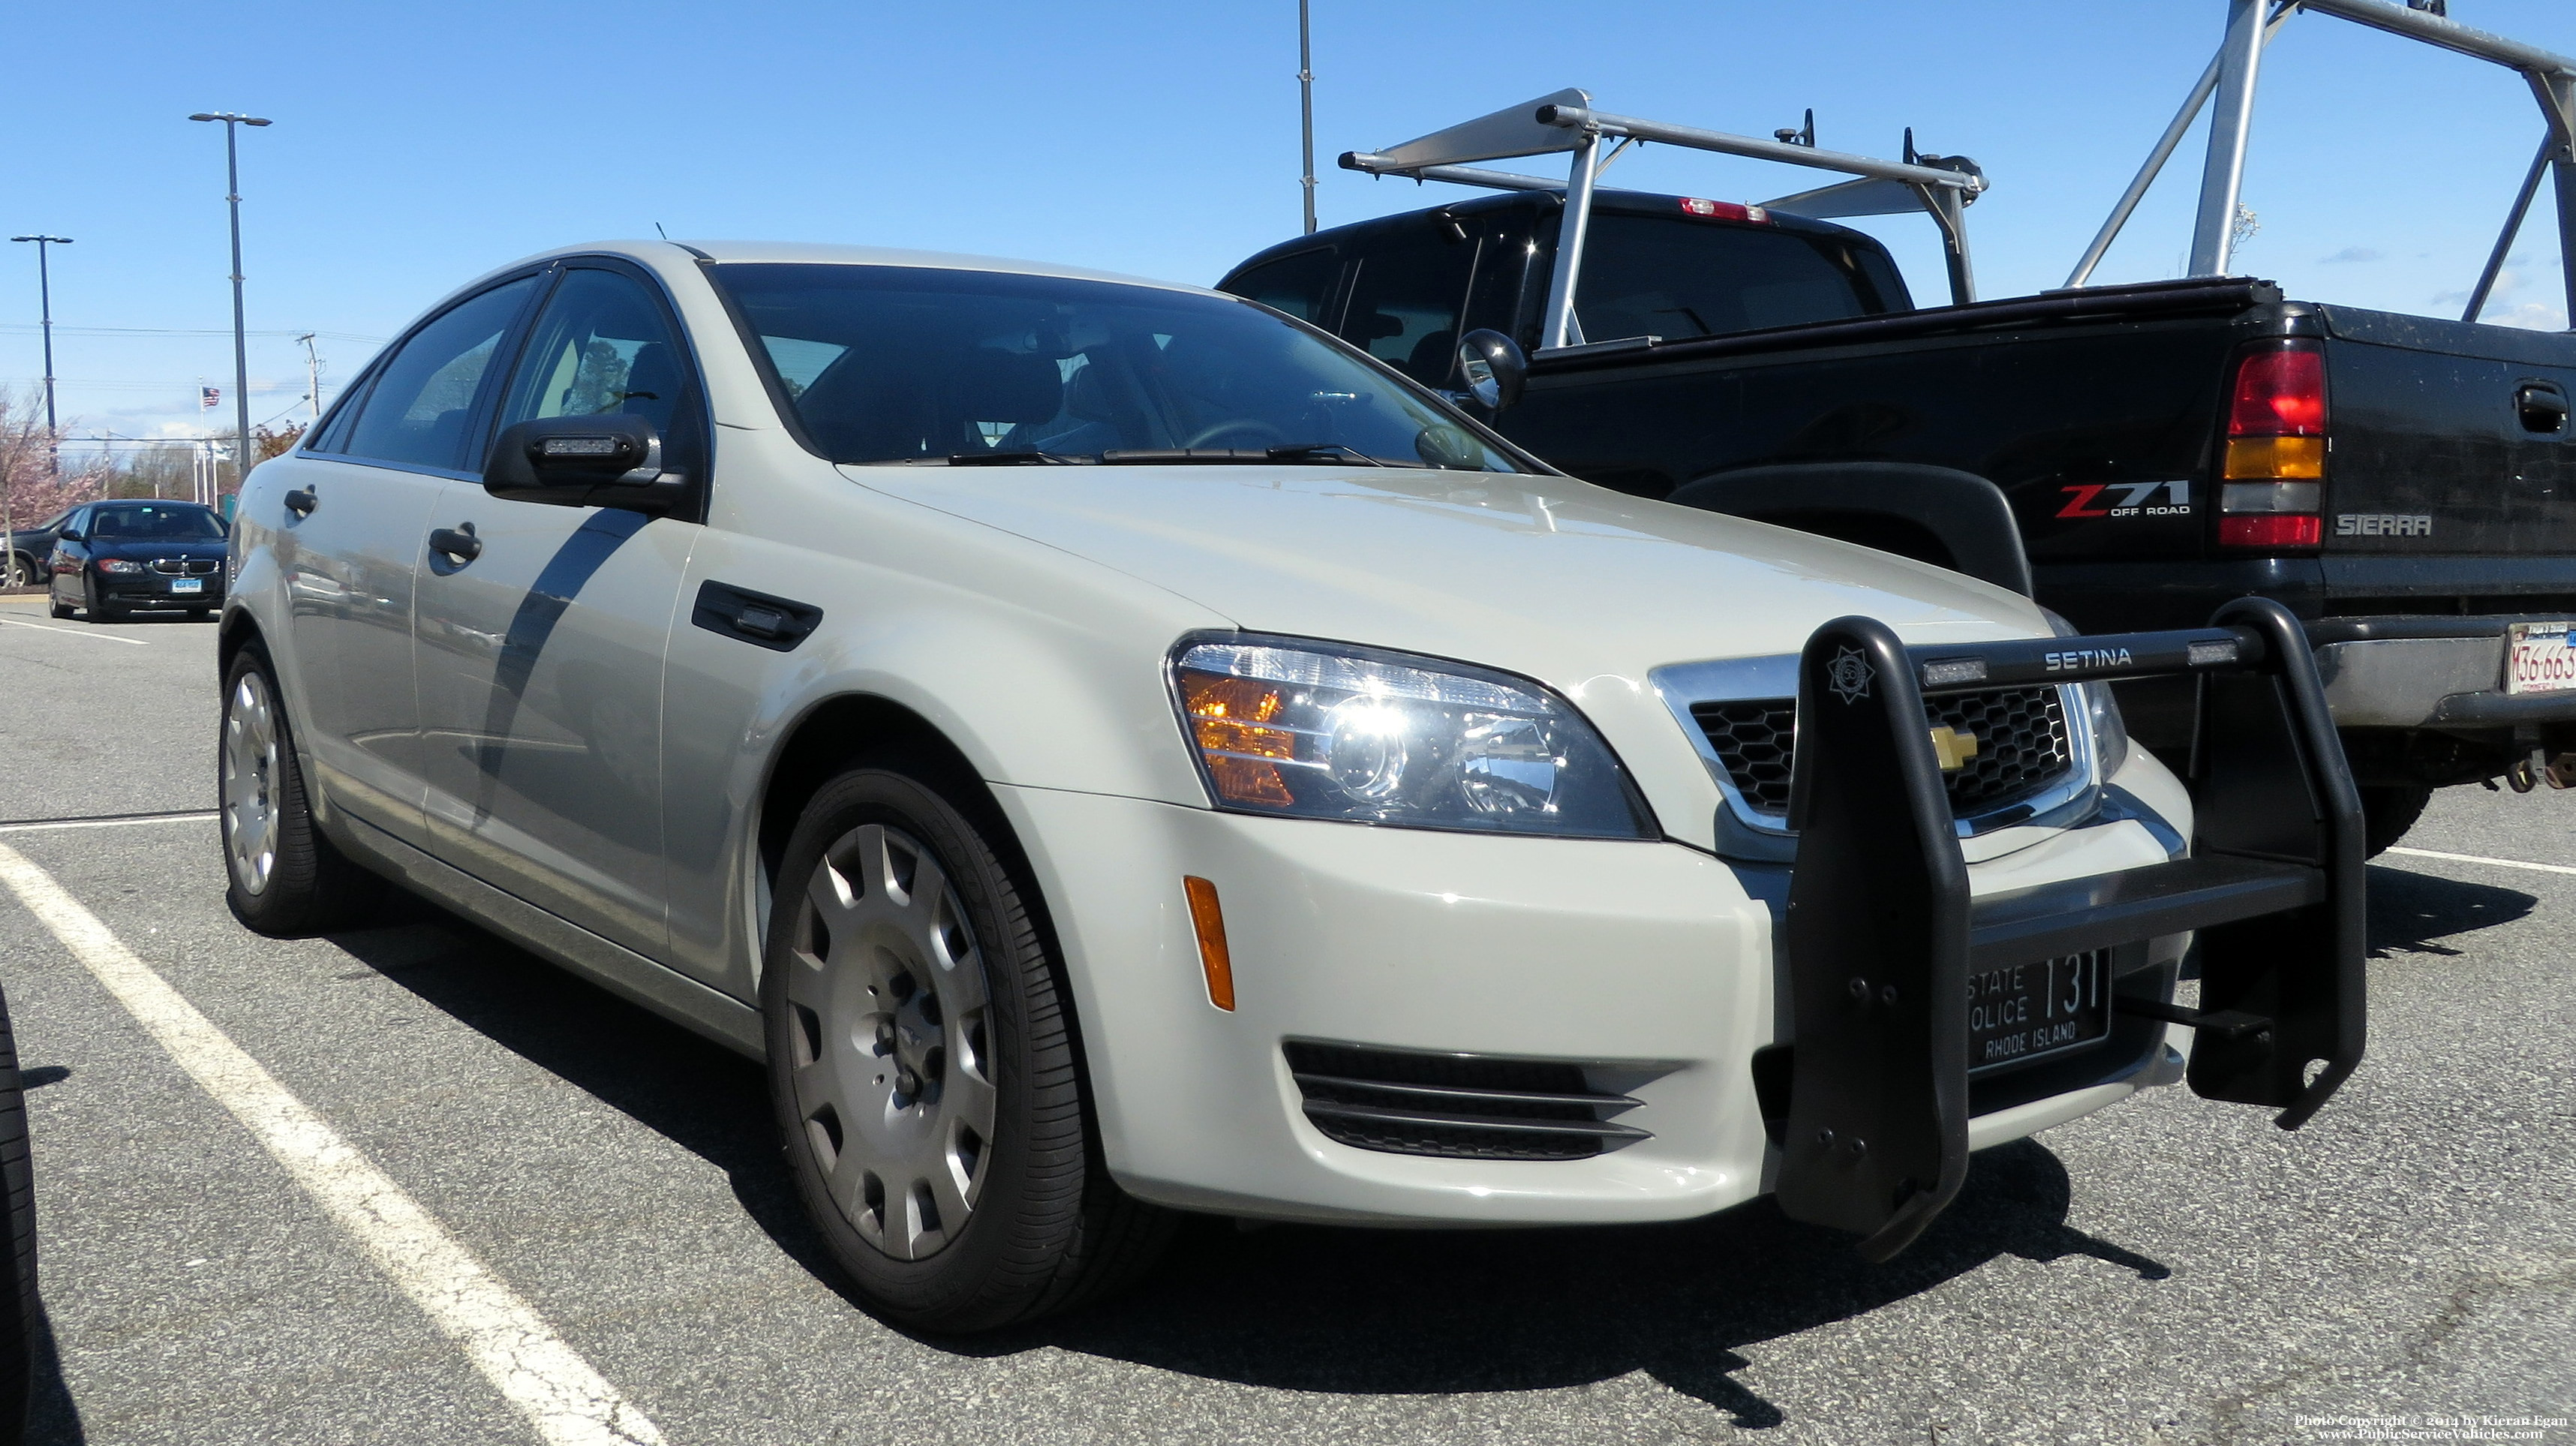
(1459, 1106)
(2021, 733)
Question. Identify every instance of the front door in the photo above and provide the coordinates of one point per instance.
(348, 555)
(539, 656)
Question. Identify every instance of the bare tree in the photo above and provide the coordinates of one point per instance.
(34, 484)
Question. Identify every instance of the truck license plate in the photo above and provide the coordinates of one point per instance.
(2023, 1011)
(2539, 658)
(187, 584)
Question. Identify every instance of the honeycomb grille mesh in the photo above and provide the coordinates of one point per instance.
(2022, 745)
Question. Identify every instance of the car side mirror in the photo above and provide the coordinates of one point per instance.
(71, 534)
(1494, 367)
(603, 461)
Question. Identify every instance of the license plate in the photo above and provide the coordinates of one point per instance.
(187, 584)
(2025, 1011)
(2539, 658)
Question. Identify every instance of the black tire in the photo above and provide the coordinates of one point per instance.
(103, 612)
(61, 610)
(1046, 1230)
(309, 886)
(19, 1311)
(199, 615)
(2387, 812)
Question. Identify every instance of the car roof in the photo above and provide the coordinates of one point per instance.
(681, 254)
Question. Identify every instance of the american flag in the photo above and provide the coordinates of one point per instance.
(208, 398)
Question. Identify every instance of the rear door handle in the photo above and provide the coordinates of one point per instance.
(458, 543)
(2542, 407)
(301, 501)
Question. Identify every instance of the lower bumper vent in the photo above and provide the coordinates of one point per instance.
(1458, 1106)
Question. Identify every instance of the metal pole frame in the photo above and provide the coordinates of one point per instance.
(1561, 328)
(2231, 127)
(1306, 107)
(241, 344)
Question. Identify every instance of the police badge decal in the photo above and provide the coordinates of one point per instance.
(1849, 674)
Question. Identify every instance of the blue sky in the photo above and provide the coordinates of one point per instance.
(416, 146)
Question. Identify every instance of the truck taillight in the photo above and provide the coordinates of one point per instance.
(2271, 491)
(1723, 210)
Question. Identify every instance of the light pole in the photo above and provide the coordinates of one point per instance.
(233, 122)
(53, 441)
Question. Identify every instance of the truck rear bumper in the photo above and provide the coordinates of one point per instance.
(2426, 672)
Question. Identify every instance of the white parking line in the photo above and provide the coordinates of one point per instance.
(44, 825)
(569, 1403)
(2482, 859)
(88, 633)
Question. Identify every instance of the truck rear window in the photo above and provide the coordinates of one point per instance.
(1680, 276)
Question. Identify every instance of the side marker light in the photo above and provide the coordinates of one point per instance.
(1209, 920)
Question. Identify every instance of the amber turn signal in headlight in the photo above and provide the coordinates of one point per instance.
(1321, 730)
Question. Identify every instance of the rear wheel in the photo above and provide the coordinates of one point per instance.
(286, 878)
(2388, 811)
(922, 1069)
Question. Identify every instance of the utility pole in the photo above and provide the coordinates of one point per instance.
(53, 432)
(312, 375)
(1306, 107)
(233, 122)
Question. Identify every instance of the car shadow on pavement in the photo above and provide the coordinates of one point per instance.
(1405, 1312)
(2411, 913)
(52, 1418)
(1434, 1312)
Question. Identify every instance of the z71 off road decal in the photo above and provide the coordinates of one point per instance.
(2126, 499)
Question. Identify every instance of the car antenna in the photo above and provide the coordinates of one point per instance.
(658, 231)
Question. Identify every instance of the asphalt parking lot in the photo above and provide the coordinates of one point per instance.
(2166, 1271)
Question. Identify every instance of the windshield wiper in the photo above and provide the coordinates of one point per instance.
(1295, 452)
(1014, 459)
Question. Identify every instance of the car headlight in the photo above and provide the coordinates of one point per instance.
(118, 564)
(2101, 710)
(1315, 730)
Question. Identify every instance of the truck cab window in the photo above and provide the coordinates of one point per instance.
(1299, 285)
(1679, 276)
(1404, 303)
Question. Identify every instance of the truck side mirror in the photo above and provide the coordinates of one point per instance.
(1494, 368)
(598, 461)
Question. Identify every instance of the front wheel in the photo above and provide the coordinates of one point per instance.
(287, 880)
(922, 1069)
(2387, 812)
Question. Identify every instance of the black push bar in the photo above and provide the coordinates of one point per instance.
(1882, 933)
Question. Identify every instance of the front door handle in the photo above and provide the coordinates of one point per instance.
(458, 544)
(2542, 407)
(301, 501)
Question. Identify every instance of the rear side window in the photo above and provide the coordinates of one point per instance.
(1298, 285)
(1404, 304)
(417, 413)
(1680, 276)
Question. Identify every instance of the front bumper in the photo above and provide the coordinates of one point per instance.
(1652, 966)
(153, 590)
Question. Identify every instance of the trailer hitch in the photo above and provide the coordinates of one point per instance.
(1882, 934)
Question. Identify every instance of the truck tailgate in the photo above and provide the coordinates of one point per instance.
(2448, 439)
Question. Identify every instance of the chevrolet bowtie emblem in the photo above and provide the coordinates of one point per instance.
(1953, 747)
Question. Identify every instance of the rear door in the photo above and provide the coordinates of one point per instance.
(539, 656)
(348, 562)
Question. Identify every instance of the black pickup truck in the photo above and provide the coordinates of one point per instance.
(2406, 486)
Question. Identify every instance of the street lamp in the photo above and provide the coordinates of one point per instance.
(233, 122)
(53, 442)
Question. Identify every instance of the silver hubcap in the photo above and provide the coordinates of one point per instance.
(890, 1051)
(249, 783)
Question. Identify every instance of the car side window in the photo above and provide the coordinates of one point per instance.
(1404, 304)
(1298, 285)
(603, 346)
(422, 403)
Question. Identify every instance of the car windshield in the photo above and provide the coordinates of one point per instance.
(913, 364)
(146, 521)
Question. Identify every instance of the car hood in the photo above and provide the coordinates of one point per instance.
(1557, 579)
(146, 547)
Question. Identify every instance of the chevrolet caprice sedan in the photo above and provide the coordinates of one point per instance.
(1111, 749)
